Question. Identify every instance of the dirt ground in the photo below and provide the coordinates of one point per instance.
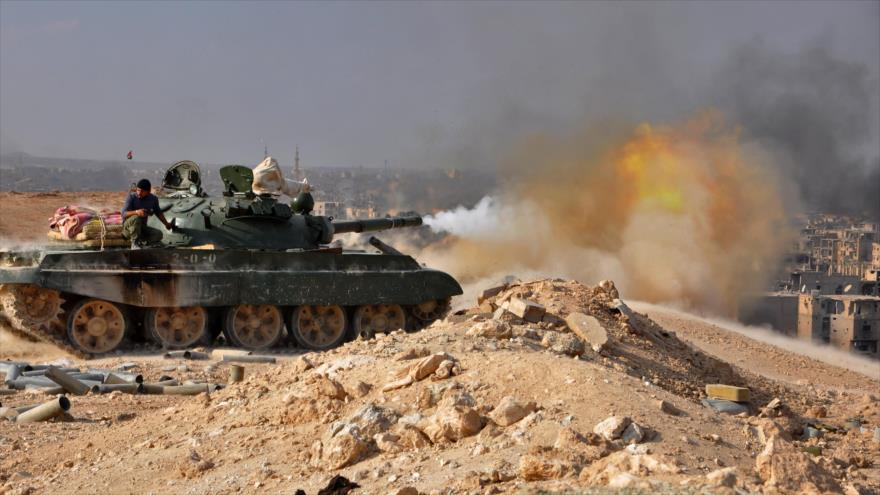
(295, 424)
(480, 402)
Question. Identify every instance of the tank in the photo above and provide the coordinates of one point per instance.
(244, 265)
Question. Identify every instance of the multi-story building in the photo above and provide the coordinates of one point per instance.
(848, 322)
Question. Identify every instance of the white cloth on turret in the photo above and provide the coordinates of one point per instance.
(268, 179)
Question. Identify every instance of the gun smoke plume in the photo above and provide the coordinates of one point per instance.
(816, 113)
(684, 212)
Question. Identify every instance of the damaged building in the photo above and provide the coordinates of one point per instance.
(830, 294)
(848, 322)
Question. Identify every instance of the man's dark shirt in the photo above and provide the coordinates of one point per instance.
(150, 203)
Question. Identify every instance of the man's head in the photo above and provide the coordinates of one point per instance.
(143, 188)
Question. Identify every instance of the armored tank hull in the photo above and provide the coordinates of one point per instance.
(91, 302)
(244, 267)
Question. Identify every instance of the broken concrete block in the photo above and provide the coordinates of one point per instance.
(612, 427)
(490, 292)
(727, 392)
(726, 406)
(527, 310)
(588, 329)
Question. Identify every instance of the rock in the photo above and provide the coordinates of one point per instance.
(479, 449)
(765, 429)
(612, 427)
(492, 329)
(817, 412)
(388, 442)
(727, 392)
(451, 397)
(344, 448)
(588, 329)
(302, 364)
(668, 408)
(783, 468)
(485, 308)
(622, 480)
(410, 437)
(450, 424)
(509, 411)
(527, 310)
(372, 419)
(606, 468)
(563, 343)
(633, 434)
(533, 468)
(637, 449)
(722, 477)
(569, 439)
(490, 292)
(428, 365)
(609, 288)
(417, 371)
(330, 388)
(407, 490)
(726, 406)
(446, 369)
(361, 389)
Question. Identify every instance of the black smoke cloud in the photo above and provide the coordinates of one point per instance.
(817, 113)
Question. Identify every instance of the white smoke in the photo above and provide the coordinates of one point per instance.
(490, 219)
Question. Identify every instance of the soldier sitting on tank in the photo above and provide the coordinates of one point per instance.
(139, 205)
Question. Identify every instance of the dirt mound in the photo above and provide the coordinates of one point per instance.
(522, 392)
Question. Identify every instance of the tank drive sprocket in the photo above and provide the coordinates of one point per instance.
(35, 313)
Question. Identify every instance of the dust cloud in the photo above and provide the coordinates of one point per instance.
(826, 354)
(684, 212)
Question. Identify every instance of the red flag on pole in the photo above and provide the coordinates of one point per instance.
(130, 155)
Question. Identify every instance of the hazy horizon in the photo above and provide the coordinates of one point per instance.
(418, 84)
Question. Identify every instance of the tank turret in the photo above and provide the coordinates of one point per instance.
(244, 220)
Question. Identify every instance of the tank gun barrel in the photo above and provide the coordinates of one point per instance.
(375, 224)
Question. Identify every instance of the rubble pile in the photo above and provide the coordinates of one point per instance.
(542, 386)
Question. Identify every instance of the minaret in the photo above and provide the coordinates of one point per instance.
(297, 172)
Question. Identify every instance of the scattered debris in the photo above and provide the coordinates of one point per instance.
(588, 329)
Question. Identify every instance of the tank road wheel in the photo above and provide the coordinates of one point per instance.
(96, 326)
(371, 319)
(318, 327)
(31, 305)
(253, 326)
(177, 327)
(429, 311)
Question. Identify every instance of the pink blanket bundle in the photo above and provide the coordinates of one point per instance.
(69, 220)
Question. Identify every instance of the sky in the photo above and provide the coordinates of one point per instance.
(420, 84)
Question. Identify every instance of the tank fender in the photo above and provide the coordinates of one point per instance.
(24, 275)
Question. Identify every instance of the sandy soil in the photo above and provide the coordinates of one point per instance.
(288, 425)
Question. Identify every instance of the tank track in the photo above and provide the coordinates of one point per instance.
(48, 332)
